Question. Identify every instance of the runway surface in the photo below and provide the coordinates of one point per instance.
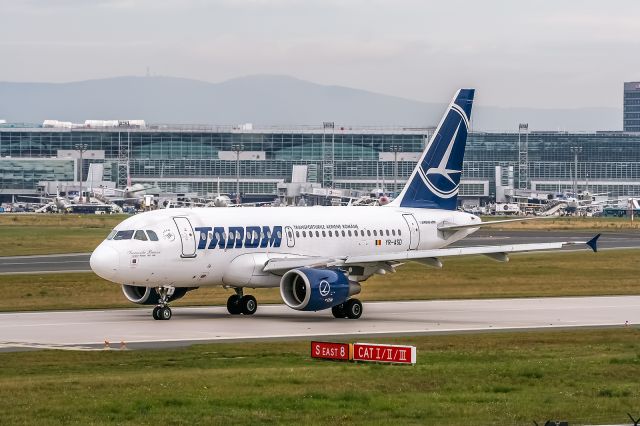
(89, 329)
(53, 263)
(79, 262)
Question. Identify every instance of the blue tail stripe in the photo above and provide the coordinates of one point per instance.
(435, 181)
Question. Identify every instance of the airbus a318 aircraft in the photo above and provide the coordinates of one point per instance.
(318, 256)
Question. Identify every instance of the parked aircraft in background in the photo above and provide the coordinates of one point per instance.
(317, 256)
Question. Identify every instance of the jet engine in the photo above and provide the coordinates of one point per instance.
(310, 289)
(149, 295)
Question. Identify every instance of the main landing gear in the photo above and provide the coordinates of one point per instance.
(351, 309)
(239, 304)
(162, 311)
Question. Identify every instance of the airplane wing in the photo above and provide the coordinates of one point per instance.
(287, 263)
(494, 252)
(430, 257)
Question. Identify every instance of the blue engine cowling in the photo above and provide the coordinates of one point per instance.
(310, 289)
(149, 295)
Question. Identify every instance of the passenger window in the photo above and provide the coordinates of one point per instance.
(124, 235)
(330, 234)
(324, 234)
(279, 234)
(152, 235)
(140, 235)
(304, 234)
(318, 234)
(393, 232)
(343, 234)
(362, 233)
(310, 234)
(218, 236)
(399, 233)
(387, 232)
(349, 232)
(298, 234)
(375, 233)
(111, 234)
(368, 233)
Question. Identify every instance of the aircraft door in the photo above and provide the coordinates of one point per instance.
(414, 231)
(187, 236)
(291, 239)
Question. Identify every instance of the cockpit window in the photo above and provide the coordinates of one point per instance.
(111, 234)
(152, 235)
(123, 235)
(140, 235)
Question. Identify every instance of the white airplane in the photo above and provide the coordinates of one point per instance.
(318, 256)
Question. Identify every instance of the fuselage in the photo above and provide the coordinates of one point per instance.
(197, 247)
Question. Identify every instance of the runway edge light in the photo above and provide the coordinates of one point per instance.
(395, 354)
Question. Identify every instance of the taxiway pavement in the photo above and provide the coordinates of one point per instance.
(135, 327)
(79, 262)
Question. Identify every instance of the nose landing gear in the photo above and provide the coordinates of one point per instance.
(239, 304)
(163, 311)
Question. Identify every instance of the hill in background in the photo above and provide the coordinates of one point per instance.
(264, 100)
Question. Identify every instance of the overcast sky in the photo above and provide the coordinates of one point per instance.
(543, 53)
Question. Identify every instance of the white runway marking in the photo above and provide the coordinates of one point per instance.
(89, 329)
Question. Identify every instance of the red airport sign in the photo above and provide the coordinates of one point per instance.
(329, 350)
(384, 353)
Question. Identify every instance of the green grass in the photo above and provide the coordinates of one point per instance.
(526, 275)
(500, 378)
(29, 234)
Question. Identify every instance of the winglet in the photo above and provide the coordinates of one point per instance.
(593, 243)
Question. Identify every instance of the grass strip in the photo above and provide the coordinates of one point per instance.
(498, 378)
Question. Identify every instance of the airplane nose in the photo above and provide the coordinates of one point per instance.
(105, 261)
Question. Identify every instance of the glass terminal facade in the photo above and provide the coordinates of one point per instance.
(197, 160)
(631, 106)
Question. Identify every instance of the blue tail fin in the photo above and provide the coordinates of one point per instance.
(435, 181)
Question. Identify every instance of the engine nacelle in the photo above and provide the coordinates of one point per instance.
(310, 289)
(149, 295)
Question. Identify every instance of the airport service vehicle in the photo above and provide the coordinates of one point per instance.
(318, 256)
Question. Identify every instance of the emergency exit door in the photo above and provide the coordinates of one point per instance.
(414, 231)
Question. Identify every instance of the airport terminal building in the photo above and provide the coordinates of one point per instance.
(187, 159)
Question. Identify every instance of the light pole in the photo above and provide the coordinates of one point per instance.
(395, 149)
(575, 150)
(81, 148)
(237, 148)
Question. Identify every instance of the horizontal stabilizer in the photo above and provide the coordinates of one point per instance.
(453, 227)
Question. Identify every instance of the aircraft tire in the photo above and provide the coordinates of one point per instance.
(353, 307)
(249, 305)
(155, 313)
(164, 313)
(233, 305)
(339, 311)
